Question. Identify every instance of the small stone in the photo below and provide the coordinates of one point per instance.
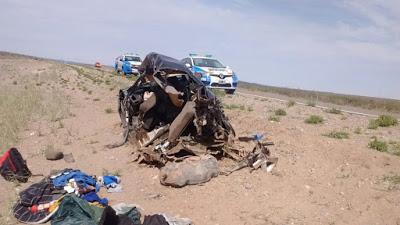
(154, 196)
(51, 154)
(69, 158)
(247, 186)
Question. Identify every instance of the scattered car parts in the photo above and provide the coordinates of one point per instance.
(169, 115)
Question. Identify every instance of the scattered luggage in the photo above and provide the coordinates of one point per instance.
(13, 166)
(76, 211)
(37, 203)
(70, 197)
(163, 219)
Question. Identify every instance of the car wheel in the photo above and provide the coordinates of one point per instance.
(230, 91)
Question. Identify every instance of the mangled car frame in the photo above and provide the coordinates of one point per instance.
(169, 115)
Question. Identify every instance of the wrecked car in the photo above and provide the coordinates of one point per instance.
(169, 115)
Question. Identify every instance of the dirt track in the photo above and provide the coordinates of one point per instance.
(318, 180)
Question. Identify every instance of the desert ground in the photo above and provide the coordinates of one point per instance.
(318, 179)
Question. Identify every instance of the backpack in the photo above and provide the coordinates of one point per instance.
(13, 166)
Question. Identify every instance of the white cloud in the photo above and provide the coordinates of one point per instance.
(282, 45)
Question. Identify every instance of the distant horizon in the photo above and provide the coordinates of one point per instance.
(241, 80)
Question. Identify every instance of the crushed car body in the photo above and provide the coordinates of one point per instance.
(168, 115)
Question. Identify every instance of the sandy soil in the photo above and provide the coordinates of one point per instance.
(318, 180)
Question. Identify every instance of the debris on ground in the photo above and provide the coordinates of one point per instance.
(259, 157)
(38, 202)
(13, 167)
(163, 219)
(71, 197)
(112, 183)
(169, 115)
(69, 158)
(192, 170)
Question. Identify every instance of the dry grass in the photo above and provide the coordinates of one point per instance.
(311, 103)
(291, 103)
(334, 111)
(17, 106)
(234, 106)
(382, 121)
(337, 135)
(280, 112)
(6, 214)
(314, 119)
(108, 110)
(274, 118)
(358, 130)
(219, 93)
(55, 106)
(390, 105)
(378, 145)
(393, 182)
(386, 121)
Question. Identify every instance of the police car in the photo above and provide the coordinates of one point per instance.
(211, 72)
(127, 64)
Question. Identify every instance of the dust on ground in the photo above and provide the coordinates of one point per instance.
(318, 180)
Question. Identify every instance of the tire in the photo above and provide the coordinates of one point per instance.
(230, 91)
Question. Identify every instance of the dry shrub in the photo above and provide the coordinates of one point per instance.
(17, 106)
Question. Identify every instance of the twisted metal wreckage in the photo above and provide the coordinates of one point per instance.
(169, 115)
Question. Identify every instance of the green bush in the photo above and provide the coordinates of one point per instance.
(291, 103)
(338, 135)
(395, 179)
(314, 119)
(381, 146)
(280, 112)
(394, 148)
(311, 103)
(274, 118)
(386, 121)
(382, 121)
(109, 110)
(357, 130)
(334, 111)
(373, 124)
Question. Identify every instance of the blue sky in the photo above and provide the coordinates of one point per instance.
(345, 46)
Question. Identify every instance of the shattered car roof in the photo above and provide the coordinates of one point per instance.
(155, 62)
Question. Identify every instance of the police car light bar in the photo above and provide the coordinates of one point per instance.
(194, 54)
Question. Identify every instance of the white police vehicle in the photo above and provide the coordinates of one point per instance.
(211, 72)
(127, 64)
